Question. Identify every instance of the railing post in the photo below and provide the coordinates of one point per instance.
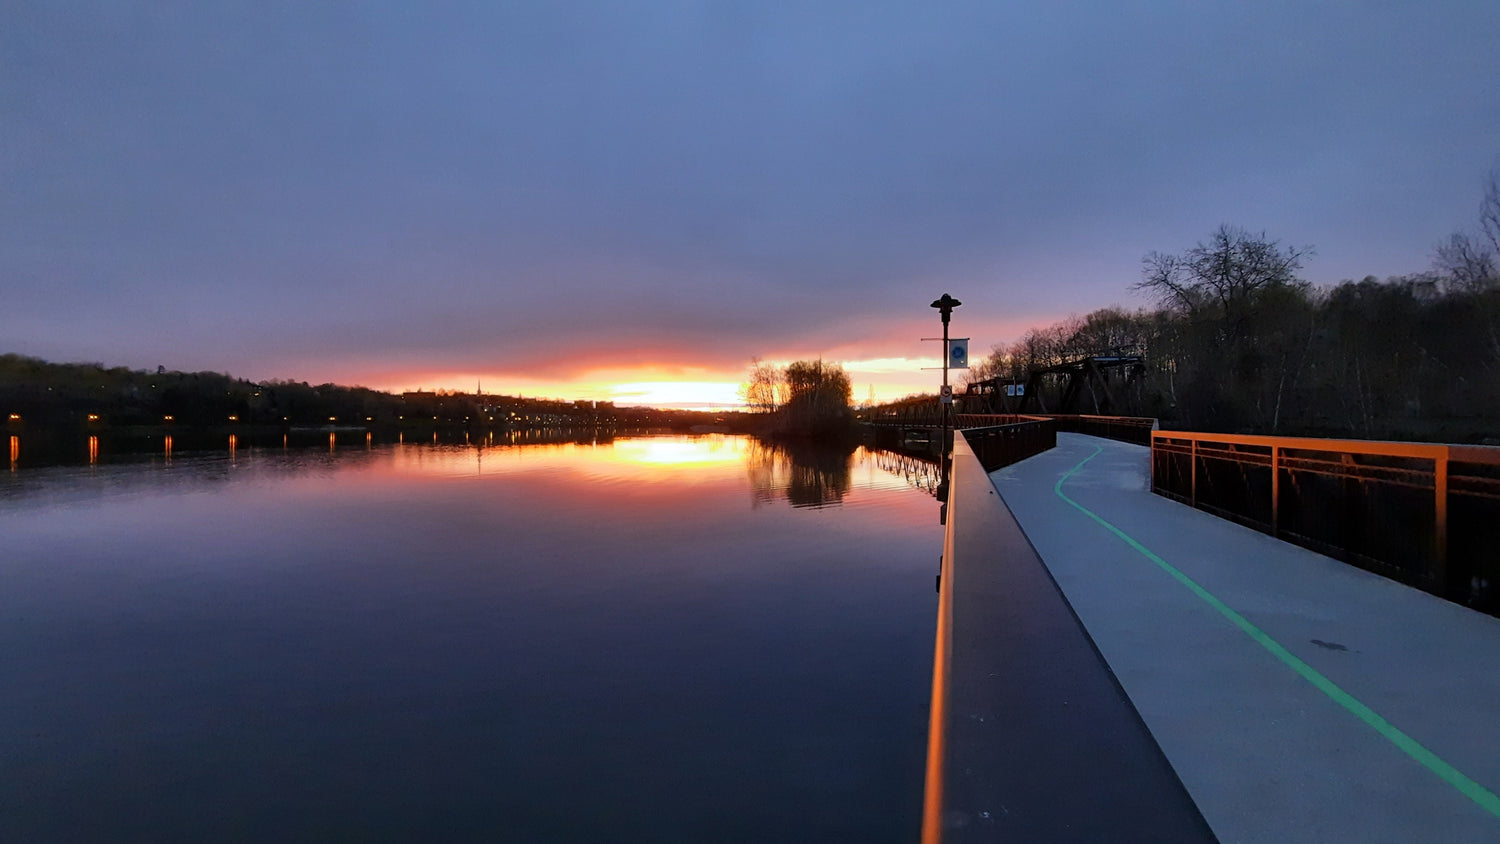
(1151, 441)
(1440, 523)
(1275, 490)
(1193, 483)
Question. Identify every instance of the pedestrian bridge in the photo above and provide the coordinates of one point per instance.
(1103, 650)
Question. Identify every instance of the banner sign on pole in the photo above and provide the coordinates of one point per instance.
(958, 353)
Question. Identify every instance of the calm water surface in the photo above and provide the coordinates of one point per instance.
(653, 639)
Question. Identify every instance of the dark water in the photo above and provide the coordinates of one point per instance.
(663, 639)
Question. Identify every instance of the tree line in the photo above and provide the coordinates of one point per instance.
(1238, 342)
(61, 395)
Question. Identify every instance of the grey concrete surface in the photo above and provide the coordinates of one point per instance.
(1266, 755)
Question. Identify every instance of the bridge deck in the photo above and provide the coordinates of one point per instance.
(1298, 698)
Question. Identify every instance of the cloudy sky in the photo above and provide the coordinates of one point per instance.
(578, 200)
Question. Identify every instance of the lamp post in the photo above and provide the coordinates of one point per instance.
(945, 307)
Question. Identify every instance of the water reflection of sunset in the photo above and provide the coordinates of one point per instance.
(680, 452)
(427, 595)
(626, 477)
(642, 458)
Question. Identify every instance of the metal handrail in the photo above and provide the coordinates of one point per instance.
(1001, 445)
(1427, 514)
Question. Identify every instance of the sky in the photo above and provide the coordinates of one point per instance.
(630, 201)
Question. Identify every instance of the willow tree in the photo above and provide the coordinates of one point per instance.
(806, 397)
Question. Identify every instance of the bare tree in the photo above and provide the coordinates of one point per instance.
(1468, 264)
(1110, 331)
(1472, 263)
(765, 387)
(1224, 301)
(1223, 275)
(1489, 211)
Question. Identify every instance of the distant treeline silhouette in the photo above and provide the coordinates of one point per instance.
(36, 392)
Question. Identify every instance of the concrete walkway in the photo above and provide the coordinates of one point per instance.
(1298, 698)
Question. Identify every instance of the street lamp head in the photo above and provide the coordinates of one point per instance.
(945, 306)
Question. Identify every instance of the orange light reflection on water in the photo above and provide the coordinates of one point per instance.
(646, 458)
(15, 451)
(93, 450)
(679, 453)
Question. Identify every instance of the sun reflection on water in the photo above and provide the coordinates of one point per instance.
(641, 459)
(679, 452)
(612, 474)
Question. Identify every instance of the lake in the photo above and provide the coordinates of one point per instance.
(661, 638)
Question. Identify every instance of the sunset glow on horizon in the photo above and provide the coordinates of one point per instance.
(883, 379)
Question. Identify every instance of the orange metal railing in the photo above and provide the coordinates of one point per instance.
(1425, 514)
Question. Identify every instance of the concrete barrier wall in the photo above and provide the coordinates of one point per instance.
(1031, 737)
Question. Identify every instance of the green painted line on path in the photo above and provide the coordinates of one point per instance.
(1408, 745)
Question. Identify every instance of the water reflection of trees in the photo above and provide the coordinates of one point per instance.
(70, 447)
(47, 464)
(806, 474)
(921, 472)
